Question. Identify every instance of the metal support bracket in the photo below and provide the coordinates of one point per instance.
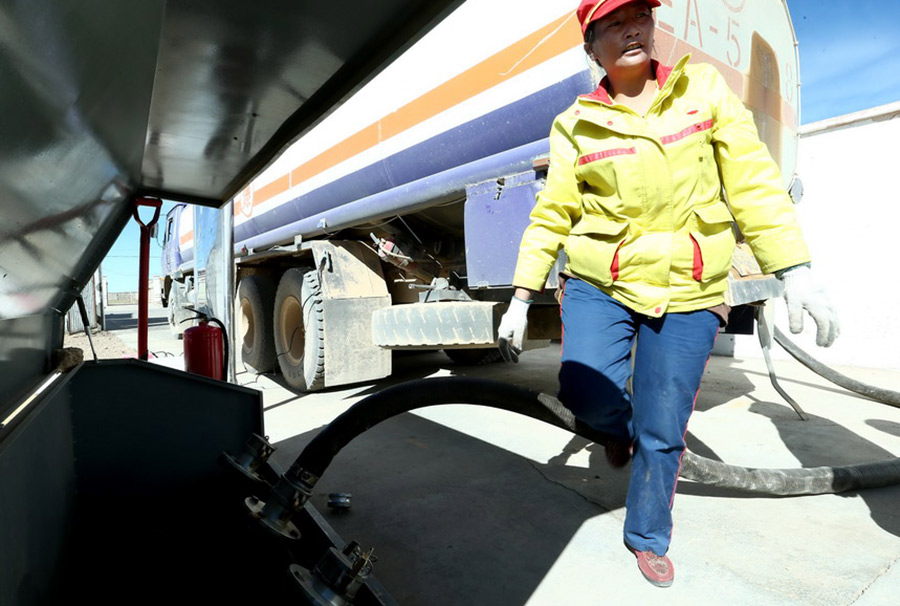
(764, 323)
(257, 451)
(82, 309)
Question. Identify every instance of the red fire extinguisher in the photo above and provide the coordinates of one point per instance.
(206, 349)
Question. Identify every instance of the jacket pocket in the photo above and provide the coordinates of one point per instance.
(713, 242)
(592, 248)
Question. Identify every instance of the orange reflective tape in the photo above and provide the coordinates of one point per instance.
(690, 130)
(609, 153)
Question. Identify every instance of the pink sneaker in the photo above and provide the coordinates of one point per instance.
(618, 453)
(656, 569)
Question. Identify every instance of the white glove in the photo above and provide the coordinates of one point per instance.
(802, 291)
(511, 333)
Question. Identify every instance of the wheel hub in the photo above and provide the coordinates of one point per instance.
(293, 337)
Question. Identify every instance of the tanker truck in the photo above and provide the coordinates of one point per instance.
(395, 222)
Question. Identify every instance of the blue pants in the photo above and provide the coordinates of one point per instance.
(669, 359)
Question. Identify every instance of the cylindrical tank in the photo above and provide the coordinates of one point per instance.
(432, 111)
(204, 351)
(433, 114)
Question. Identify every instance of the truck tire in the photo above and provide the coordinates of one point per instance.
(254, 303)
(474, 357)
(300, 330)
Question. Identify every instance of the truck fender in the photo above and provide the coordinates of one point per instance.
(351, 287)
(347, 269)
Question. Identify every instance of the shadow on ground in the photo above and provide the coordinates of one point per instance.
(125, 321)
(834, 445)
(420, 488)
(817, 442)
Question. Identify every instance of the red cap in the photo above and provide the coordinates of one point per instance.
(591, 10)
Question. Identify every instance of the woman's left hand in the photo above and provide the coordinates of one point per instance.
(511, 334)
(803, 292)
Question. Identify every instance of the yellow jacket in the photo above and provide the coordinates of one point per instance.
(638, 202)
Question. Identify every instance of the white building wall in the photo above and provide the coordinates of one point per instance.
(850, 215)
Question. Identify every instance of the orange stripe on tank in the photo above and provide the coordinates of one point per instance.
(270, 190)
(546, 43)
(550, 41)
(671, 49)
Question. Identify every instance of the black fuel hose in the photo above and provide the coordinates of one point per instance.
(885, 396)
(422, 393)
(319, 453)
(791, 482)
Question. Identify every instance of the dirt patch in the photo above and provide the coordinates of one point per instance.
(108, 346)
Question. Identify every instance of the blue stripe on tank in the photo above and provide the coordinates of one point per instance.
(519, 123)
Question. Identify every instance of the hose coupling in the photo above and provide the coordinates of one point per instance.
(337, 576)
(256, 453)
(287, 497)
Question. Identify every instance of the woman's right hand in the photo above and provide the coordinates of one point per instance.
(511, 333)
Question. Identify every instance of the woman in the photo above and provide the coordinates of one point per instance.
(634, 194)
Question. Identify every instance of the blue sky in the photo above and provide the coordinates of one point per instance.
(121, 264)
(849, 61)
(849, 55)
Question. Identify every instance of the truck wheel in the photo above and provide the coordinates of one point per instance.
(300, 330)
(253, 310)
(474, 357)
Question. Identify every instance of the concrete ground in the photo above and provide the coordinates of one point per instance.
(469, 506)
(121, 320)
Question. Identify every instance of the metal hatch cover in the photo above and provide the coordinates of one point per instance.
(103, 100)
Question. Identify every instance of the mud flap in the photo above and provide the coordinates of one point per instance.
(353, 289)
